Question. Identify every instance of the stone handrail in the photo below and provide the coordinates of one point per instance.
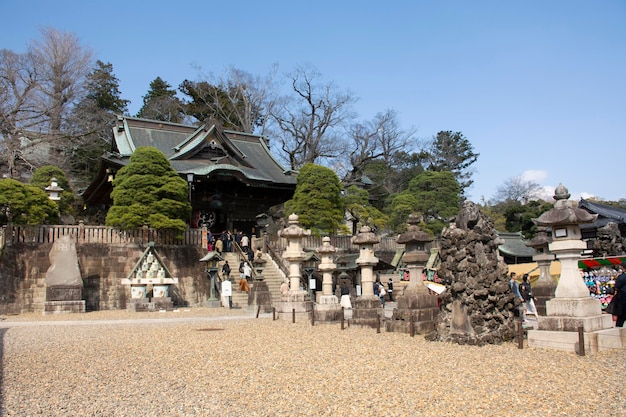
(99, 234)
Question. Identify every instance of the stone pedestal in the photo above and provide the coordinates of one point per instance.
(421, 308)
(367, 312)
(62, 307)
(260, 296)
(139, 305)
(295, 300)
(162, 303)
(327, 308)
(542, 293)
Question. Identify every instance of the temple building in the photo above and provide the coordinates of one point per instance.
(233, 177)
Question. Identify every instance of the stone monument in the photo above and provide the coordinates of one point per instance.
(477, 306)
(543, 289)
(571, 308)
(417, 307)
(295, 299)
(368, 311)
(327, 307)
(64, 283)
(149, 275)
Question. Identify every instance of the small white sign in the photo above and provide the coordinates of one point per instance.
(358, 290)
(227, 288)
(312, 283)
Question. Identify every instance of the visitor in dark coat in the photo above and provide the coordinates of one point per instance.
(620, 291)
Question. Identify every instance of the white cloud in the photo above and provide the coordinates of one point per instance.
(534, 175)
(546, 193)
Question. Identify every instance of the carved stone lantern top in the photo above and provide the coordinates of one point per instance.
(541, 240)
(415, 241)
(326, 247)
(414, 234)
(294, 230)
(294, 234)
(565, 212)
(326, 252)
(365, 236)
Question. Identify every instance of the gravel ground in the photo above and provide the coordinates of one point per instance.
(200, 362)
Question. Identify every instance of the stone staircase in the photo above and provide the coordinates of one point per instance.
(271, 275)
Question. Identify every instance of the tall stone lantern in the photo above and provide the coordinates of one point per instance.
(368, 308)
(572, 307)
(415, 254)
(416, 307)
(295, 299)
(545, 286)
(327, 307)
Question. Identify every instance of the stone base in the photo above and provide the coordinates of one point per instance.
(213, 303)
(139, 304)
(367, 312)
(571, 324)
(543, 293)
(260, 296)
(420, 308)
(303, 310)
(573, 307)
(162, 303)
(594, 342)
(327, 299)
(63, 307)
(328, 311)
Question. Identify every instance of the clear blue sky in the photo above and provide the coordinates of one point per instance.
(538, 87)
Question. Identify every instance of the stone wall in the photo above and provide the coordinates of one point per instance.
(23, 271)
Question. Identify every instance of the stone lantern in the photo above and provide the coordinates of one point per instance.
(545, 286)
(327, 307)
(212, 260)
(368, 308)
(572, 308)
(415, 254)
(53, 190)
(416, 305)
(295, 299)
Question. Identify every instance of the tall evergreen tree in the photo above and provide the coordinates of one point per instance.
(435, 195)
(317, 200)
(361, 211)
(161, 103)
(451, 151)
(92, 121)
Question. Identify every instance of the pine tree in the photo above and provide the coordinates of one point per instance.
(91, 123)
(149, 192)
(317, 200)
(161, 103)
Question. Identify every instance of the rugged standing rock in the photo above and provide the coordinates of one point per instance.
(477, 308)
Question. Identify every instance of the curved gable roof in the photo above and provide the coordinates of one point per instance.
(203, 150)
